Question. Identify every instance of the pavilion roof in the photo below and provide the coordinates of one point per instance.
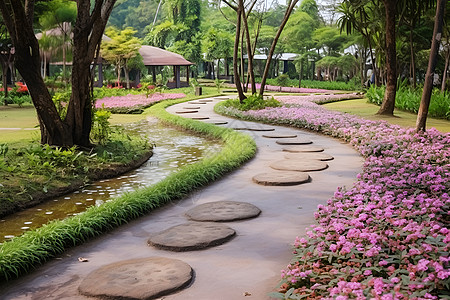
(153, 56)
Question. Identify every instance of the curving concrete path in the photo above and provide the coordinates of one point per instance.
(249, 265)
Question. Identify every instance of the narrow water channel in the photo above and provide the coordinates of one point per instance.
(173, 149)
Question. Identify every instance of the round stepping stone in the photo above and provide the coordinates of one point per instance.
(217, 122)
(308, 148)
(222, 97)
(186, 111)
(192, 236)
(299, 165)
(143, 278)
(281, 178)
(307, 156)
(206, 100)
(199, 117)
(191, 107)
(279, 136)
(297, 141)
(222, 211)
(255, 128)
(197, 102)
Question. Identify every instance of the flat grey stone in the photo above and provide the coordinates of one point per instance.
(223, 211)
(255, 128)
(297, 165)
(191, 107)
(297, 141)
(279, 136)
(196, 102)
(206, 100)
(305, 148)
(222, 97)
(143, 278)
(281, 178)
(192, 236)
(217, 122)
(186, 111)
(307, 156)
(199, 117)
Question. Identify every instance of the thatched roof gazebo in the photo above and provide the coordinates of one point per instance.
(153, 57)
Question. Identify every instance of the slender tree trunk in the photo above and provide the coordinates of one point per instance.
(274, 44)
(444, 74)
(388, 105)
(413, 57)
(428, 86)
(300, 75)
(249, 54)
(244, 82)
(237, 79)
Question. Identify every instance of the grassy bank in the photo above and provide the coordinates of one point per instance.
(24, 253)
(362, 108)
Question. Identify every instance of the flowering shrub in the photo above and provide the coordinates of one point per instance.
(387, 237)
(319, 99)
(132, 103)
(21, 88)
(291, 89)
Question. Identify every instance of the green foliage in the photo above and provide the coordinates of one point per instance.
(253, 102)
(61, 100)
(352, 85)
(219, 84)
(100, 126)
(283, 80)
(409, 100)
(23, 253)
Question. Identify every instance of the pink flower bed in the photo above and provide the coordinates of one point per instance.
(320, 99)
(387, 237)
(134, 100)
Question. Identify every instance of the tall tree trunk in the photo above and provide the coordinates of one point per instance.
(237, 78)
(288, 12)
(300, 75)
(388, 105)
(244, 81)
(249, 54)
(444, 74)
(413, 57)
(428, 86)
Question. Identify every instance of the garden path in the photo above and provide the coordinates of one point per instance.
(249, 265)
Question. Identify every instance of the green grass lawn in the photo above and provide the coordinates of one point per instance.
(367, 110)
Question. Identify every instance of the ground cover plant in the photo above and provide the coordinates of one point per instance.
(409, 99)
(25, 252)
(387, 236)
(351, 85)
(31, 172)
(133, 103)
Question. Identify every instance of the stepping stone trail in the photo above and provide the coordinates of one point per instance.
(143, 278)
(222, 211)
(298, 165)
(281, 178)
(192, 236)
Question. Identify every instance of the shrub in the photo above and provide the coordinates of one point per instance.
(253, 102)
(409, 99)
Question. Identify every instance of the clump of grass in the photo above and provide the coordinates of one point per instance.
(253, 102)
(23, 253)
(409, 100)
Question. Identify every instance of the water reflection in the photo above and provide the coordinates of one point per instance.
(173, 149)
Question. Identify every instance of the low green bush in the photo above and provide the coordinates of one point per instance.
(23, 253)
(253, 102)
(353, 84)
(409, 100)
